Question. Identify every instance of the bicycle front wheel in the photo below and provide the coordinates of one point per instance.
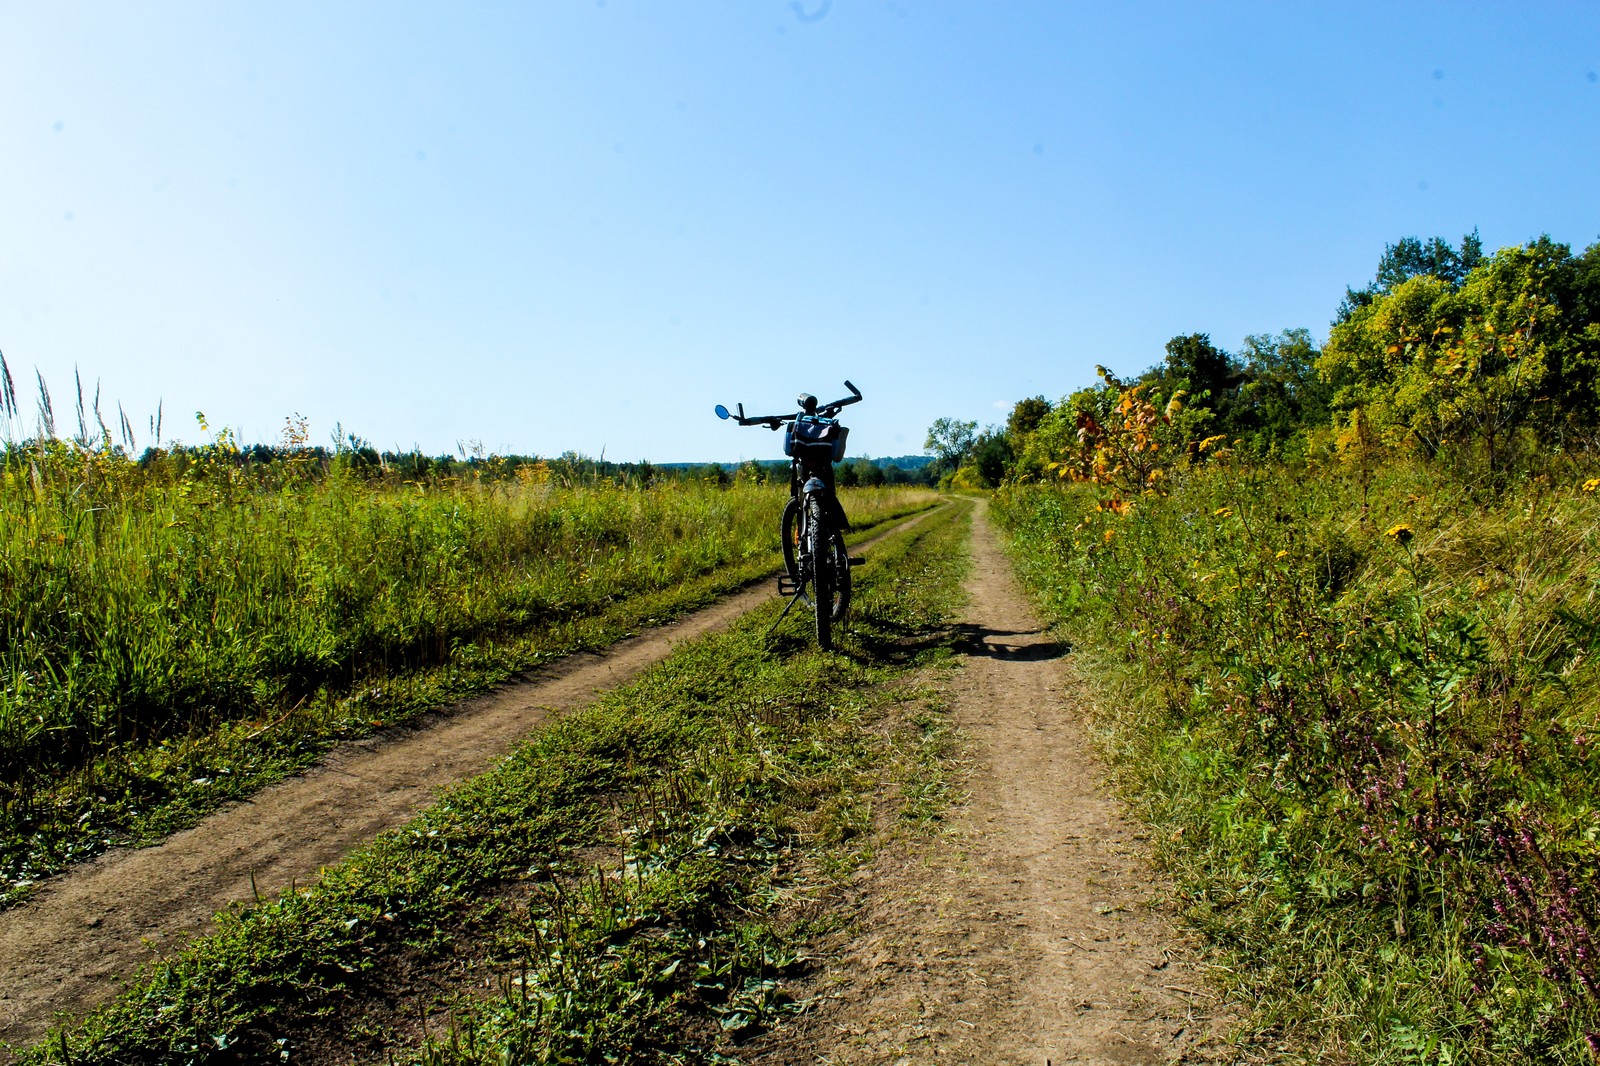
(818, 545)
(790, 532)
(838, 557)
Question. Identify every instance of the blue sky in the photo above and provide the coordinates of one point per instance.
(575, 225)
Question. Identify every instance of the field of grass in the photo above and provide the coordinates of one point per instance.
(175, 634)
(1363, 714)
(637, 883)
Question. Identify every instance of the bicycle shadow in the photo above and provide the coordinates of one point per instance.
(975, 640)
(896, 644)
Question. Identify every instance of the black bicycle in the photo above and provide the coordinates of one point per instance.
(813, 526)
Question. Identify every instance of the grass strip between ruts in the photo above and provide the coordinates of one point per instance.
(144, 794)
(634, 884)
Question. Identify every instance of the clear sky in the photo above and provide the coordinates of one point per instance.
(553, 225)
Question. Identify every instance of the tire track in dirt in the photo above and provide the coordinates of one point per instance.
(89, 929)
(1032, 931)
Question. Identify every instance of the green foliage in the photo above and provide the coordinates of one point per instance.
(950, 441)
(860, 471)
(1024, 419)
(1282, 397)
(991, 457)
(1409, 258)
(1480, 372)
(1362, 717)
(1206, 374)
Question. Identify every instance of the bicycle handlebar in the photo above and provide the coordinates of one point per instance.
(777, 421)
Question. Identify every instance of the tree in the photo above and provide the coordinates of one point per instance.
(1203, 376)
(1410, 258)
(1024, 418)
(1200, 365)
(991, 455)
(1282, 393)
(1509, 356)
(865, 471)
(950, 440)
(1122, 449)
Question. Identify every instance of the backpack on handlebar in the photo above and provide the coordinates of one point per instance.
(815, 431)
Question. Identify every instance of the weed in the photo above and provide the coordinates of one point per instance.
(1361, 711)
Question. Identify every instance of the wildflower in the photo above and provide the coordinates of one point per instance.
(1400, 534)
(1281, 554)
(1222, 512)
(1592, 484)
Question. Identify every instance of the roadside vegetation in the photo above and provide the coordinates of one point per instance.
(638, 883)
(183, 627)
(1343, 603)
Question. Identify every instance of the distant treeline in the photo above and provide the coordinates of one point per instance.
(353, 456)
(860, 471)
(1479, 362)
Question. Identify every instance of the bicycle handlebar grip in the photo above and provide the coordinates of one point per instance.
(854, 398)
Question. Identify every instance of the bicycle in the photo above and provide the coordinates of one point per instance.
(813, 523)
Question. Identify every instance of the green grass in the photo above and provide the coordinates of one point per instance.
(1362, 715)
(637, 883)
(171, 643)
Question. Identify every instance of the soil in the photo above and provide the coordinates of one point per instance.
(89, 930)
(1034, 929)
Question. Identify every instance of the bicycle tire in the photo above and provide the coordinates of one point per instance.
(790, 534)
(818, 539)
(839, 559)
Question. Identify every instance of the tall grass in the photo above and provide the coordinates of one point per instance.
(1363, 711)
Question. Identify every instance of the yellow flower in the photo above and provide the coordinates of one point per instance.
(1222, 512)
(1400, 534)
(1281, 554)
(1592, 484)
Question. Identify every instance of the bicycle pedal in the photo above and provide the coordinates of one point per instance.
(857, 560)
(787, 586)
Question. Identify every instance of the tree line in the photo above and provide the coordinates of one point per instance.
(1478, 362)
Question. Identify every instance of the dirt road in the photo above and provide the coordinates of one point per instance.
(1027, 933)
(91, 928)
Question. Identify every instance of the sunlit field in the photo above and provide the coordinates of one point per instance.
(162, 617)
